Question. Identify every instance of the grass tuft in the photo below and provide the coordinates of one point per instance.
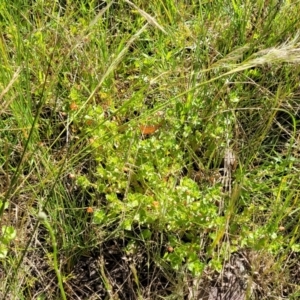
(161, 142)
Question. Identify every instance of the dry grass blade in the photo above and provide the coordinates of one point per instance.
(14, 78)
(149, 18)
(285, 54)
(100, 14)
(115, 62)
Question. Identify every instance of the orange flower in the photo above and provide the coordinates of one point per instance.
(155, 204)
(89, 122)
(73, 106)
(89, 210)
(170, 249)
(148, 129)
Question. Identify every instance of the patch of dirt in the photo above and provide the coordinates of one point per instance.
(104, 273)
(110, 272)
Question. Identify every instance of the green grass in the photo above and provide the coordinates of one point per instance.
(145, 144)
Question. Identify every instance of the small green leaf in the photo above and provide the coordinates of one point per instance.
(127, 224)
(8, 234)
(216, 264)
(146, 234)
(195, 267)
(5, 205)
(99, 216)
(296, 247)
(3, 251)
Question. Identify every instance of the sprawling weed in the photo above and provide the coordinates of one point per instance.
(148, 146)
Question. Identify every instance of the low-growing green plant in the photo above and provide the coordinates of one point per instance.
(161, 139)
(8, 234)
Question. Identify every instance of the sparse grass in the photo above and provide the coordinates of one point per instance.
(148, 145)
